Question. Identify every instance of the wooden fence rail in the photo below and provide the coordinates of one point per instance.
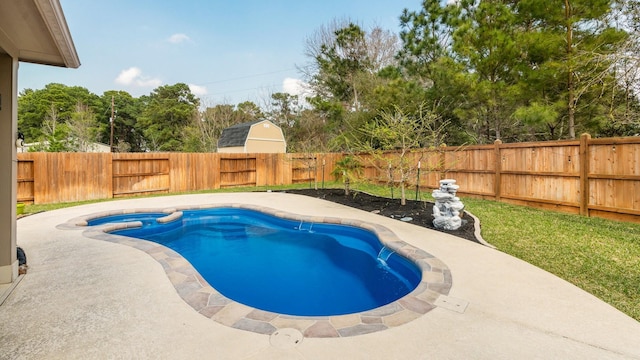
(591, 177)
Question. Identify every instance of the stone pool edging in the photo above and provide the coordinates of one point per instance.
(194, 290)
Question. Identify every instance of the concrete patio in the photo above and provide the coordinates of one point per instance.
(84, 298)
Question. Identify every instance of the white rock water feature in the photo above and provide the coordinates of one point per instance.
(446, 211)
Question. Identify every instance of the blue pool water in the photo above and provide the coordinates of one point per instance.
(284, 266)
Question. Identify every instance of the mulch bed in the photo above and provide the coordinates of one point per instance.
(420, 212)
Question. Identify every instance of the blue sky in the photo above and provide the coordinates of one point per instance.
(227, 51)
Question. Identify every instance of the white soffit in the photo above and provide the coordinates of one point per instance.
(36, 31)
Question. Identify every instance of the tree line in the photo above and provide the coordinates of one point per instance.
(479, 71)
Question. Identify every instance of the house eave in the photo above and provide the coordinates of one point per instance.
(53, 16)
(36, 31)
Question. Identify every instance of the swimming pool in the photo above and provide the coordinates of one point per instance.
(279, 265)
(436, 280)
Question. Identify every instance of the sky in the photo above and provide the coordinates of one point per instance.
(227, 51)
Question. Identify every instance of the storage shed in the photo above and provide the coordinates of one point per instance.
(261, 136)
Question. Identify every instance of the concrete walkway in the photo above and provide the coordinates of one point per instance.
(91, 299)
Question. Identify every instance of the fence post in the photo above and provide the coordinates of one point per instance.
(497, 182)
(584, 174)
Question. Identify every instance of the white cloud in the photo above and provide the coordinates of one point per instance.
(147, 82)
(296, 87)
(127, 76)
(178, 38)
(133, 76)
(198, 90)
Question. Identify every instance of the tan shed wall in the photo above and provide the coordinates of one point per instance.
(264, 137)
(266, 146)
(265, 130)
(231, 150)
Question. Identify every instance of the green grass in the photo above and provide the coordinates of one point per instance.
(600, 256)
(36, 208)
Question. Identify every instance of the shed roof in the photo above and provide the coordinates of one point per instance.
(236, 135)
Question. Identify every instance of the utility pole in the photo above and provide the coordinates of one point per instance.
(112, 121)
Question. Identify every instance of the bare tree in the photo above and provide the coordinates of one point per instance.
(54, 133)
(83, 128)
(403, 134)
(308, 134)
(381, 46)
(325, 35)
(50, 123)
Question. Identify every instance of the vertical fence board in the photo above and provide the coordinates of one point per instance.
(137, 174)
(26, 179)
(286, 168)
(237, 170)
(585, 166)
(614, 175)
(327, 162)
(193, 171)
(303, 168)
(267, 170)
(68, 177)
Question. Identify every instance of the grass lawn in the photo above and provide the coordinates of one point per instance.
(600, 256)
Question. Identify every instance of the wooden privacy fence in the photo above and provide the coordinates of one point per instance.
(591, 177)
(64, 177)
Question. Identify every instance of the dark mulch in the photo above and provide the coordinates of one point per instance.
(421, 212)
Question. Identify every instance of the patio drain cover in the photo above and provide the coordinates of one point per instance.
(286, 338)
(453, 304)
